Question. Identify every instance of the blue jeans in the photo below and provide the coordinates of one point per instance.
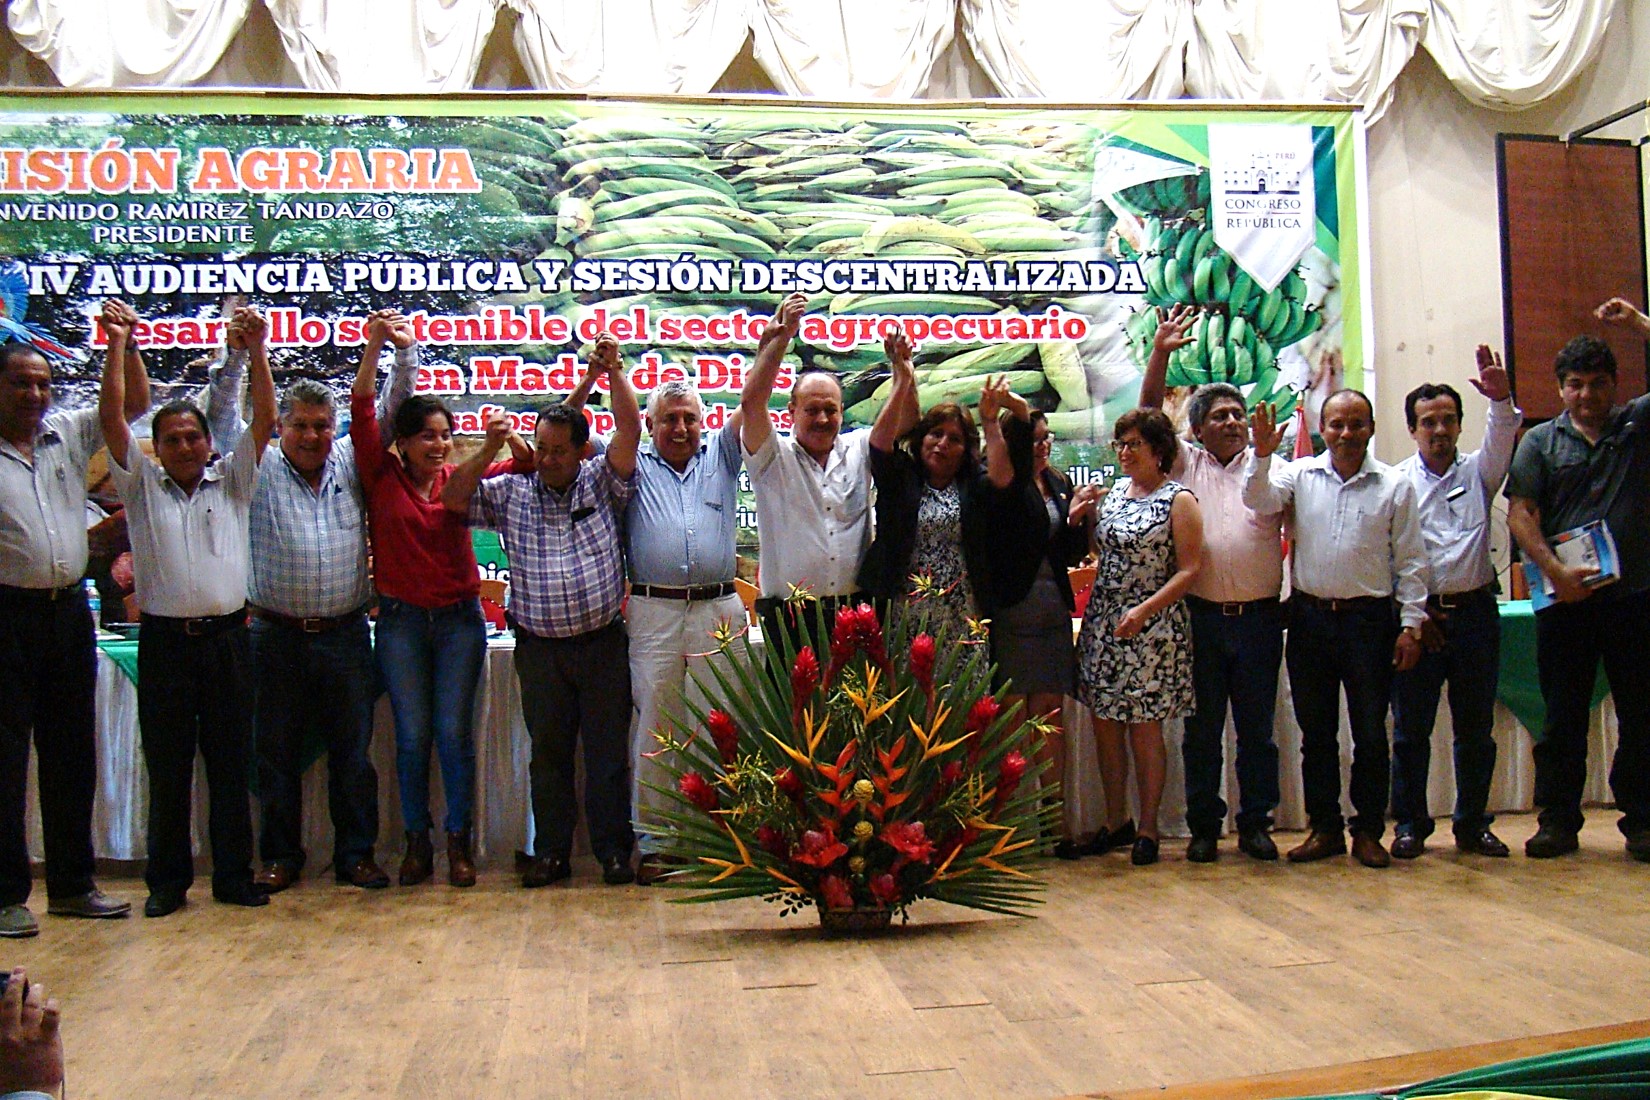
(1328, 651)
(1471, 662)
(314, 690)
(430, 660)
(1235, 659)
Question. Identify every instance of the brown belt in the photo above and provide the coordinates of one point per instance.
(1448, 601)
(204, 627)
(1350, 603)
(1234, 608)
(692, 592)
(315, 624)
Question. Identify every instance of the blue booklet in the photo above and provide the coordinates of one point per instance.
(1589, 546)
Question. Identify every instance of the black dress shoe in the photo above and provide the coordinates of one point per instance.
(1550, 841)
(243, 893)
(1638, 844)
(1203, 849)
(616, 871)
(543, 870)
(1109, 840)
(1067, 849)
(1408, 845)
(1258, 844)
(1144, 852)
(163, 903)
(1480, 842)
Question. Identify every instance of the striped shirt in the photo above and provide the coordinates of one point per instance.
(309, 545)
(565, 550)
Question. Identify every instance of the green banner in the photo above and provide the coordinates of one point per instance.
(1036, 243)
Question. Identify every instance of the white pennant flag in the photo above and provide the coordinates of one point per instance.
(1262, 206)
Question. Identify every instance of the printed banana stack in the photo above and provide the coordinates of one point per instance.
(1240, 327)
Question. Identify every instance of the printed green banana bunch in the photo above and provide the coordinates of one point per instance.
(1171, 196)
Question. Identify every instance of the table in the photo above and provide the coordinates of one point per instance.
(504, 821)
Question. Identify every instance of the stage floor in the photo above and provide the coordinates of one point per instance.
(1130, 978)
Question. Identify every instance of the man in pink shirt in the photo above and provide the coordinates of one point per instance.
(1237, 620)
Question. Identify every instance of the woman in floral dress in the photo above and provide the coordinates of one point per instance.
(1134, 652)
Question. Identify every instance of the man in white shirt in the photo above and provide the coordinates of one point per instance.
(48, 660)
(1357, 549)
(188, 520)
(813, 487)
(1463, 634)
(1237, 619)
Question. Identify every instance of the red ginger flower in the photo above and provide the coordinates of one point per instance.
(837, 894)
(773, 841)
(820, 848)
(724, 733)
(885, 889)
(804, 676)
(982, 714)
(922, 661)
(788, 784)
(909, 839)
(1012, 770)
(697, 790)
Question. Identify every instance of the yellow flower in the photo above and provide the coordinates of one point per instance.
(864, 830)
(856, 864)
(864, 792)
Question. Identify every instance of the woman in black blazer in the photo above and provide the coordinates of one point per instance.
(1033, 547)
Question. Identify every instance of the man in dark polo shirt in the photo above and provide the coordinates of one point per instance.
(1591, 462)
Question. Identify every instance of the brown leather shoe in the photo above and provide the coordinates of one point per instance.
(275, 877)
(364, 873)
(1319, 845)
(1369, 851)
(655, 866)
(461, 869)
(419, 862)
(543, 870)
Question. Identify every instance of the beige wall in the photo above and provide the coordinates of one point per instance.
(1434, 222)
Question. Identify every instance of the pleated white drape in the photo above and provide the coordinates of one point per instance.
(1505, 54)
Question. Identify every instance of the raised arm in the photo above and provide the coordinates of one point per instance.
(1170, 336)
(1261, 493)
(261, 382)
(1186, 528)
(137, 372)
(627, 417)
(111, 398)
(755, 425)
(899, 414)
(1501, 432)
(379, 324)
(995, 397)
(1619, 311)
(466, 477)
(403, 375)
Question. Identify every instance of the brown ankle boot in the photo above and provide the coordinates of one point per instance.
(419, 862)
(461, 870)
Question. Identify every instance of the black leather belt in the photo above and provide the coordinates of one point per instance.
(317, 624)
(1447, 601)
(1234, 608)
(42, 595)
(203, 627)
(1350, 603)
(692, 592)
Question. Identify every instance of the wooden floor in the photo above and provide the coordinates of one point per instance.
(1129, 979)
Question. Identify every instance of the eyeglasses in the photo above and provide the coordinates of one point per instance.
(1042, 440)
(1121, 445)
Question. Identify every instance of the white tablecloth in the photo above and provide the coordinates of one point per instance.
(504, 820)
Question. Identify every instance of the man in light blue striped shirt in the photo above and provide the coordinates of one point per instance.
(312, 651)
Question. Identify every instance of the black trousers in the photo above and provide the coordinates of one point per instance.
(196, 693)
(572, 688)
(48, 685)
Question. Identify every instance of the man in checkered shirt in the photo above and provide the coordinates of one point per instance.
(561, 531)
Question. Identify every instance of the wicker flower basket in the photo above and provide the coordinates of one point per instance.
(854, 922)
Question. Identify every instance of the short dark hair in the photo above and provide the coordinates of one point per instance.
(178, 408)
(1204, 398)
(16, 349)
(1359, 394)
(946, 412)
(1038, 416)
(560, 412)
(415, 411)
(1585, 355)
(1426, 391)
(1155, 428)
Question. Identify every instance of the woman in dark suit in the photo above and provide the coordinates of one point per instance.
(1031, 622)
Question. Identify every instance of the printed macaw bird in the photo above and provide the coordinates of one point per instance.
(14, 305)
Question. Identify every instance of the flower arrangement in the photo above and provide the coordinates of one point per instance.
(888, 775)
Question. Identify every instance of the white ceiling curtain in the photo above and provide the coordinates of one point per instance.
(127, 43)
(1098, 50)
(629, 46)
(385, 46)
(851, 49)
(1510, 54)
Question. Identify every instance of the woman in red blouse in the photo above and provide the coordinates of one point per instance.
(431, 638)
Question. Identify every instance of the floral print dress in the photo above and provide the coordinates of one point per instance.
(1148, 677)
(938, 555)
